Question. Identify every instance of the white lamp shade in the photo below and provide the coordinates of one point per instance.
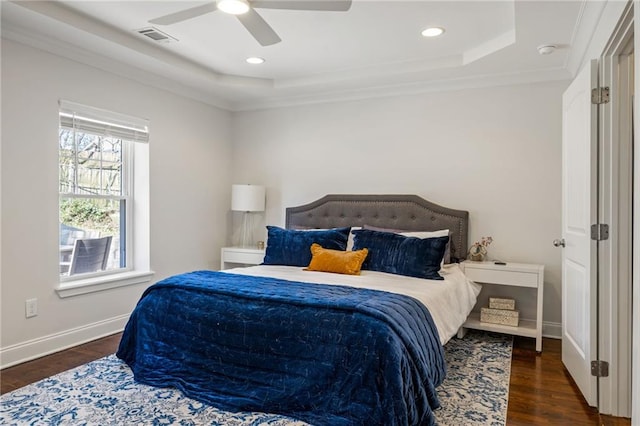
(247, 198)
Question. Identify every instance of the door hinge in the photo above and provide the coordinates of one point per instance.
(600, 368)
(600, 232)
(600, 95)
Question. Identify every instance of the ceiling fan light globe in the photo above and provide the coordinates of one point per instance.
(233, 7)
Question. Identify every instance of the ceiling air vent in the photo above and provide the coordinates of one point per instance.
(156, 35)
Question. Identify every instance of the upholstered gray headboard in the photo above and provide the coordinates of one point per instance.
(406, 212)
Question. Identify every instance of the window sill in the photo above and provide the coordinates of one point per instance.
(105, 282)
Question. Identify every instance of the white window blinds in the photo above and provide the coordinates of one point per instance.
(102, 122)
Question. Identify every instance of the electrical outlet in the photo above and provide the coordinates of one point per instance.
(31, 308)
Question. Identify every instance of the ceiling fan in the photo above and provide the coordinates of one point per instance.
(252, 21)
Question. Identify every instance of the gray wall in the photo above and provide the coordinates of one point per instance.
(189, 177)
(493, 151)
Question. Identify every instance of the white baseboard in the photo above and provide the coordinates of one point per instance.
(552, 330)
(36, 348)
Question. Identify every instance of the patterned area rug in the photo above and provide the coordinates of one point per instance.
(103, 392)
(476, 390)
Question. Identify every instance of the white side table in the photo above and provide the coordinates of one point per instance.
(515, 275)
(237, 256)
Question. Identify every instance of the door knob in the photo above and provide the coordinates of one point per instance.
(559, 243)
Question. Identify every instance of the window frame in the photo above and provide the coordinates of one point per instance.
(135, 271)
(126, 182)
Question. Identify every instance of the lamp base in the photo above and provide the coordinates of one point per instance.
(246, 236)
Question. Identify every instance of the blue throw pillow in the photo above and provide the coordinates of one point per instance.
(293, 248)
(397, 254)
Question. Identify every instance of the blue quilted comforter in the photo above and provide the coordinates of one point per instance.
(328, 355)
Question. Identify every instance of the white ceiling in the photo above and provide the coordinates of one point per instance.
(373, 49)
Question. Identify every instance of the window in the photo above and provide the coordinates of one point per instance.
(96, 190)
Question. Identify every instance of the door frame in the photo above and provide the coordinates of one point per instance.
(615, 253)
(635, 415)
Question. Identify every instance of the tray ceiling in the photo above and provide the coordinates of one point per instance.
(373, 48)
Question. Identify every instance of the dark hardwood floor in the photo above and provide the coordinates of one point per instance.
(23, 374)
(540, 391)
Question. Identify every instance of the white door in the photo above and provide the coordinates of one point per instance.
(579, 201)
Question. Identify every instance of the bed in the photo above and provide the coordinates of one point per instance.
(324, 348)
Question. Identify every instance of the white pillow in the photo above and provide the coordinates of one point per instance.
(425, 234)
(351, 237)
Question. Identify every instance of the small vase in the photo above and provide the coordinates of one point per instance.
(477, 253)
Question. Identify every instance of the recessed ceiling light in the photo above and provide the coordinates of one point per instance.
(254, 60)
(433, 32)
(234, 7)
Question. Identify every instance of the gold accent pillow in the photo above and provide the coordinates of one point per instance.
(337, 261)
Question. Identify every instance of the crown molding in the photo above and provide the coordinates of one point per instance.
(405, 89)
(590, 13)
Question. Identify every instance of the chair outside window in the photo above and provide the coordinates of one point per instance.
(88, 255)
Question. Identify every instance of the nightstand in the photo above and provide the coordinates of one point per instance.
(514, 275)
(237, 256)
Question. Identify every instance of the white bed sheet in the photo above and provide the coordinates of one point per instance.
(449, 301)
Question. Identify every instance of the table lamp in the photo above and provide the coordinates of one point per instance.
(247, 199)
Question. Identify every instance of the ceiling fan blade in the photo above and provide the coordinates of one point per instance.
(183, 15)
(326, 5)
(258, 28)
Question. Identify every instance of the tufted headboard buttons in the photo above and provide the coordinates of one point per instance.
(406, 212)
